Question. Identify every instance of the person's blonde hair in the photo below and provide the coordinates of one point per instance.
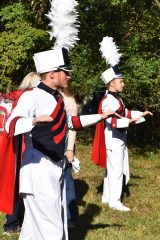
(67, 91)
(29, 81)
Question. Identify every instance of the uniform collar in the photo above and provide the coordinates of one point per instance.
(115, 94)
(51, 91)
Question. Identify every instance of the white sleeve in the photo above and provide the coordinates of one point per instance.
(121, 123)
(109, 103)
(136, 114)
(78, 122)
(112, 103)
(89, 120)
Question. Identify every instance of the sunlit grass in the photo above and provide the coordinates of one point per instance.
(96, 221)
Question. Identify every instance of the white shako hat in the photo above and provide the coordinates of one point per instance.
(64, 25)
(111, 54)
(111, 73)
(51, 60)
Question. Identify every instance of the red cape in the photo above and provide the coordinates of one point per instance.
(7, 173)
(98, 155)
(8, 167)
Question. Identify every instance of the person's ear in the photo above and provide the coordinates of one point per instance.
(111, 84)
(52, 74)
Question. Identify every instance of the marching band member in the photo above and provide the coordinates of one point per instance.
(114, 154)
(40, 116)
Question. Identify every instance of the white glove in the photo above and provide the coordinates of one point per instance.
(75, 165)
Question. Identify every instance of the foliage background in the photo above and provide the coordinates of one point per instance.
(135, 27)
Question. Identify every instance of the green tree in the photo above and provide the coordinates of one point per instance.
(133, 24)
(20, 38)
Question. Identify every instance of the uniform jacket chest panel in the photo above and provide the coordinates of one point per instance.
(44, 103)
(49, 138)
(111, 102)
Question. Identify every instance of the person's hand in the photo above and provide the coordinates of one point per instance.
(133, 121)
(69, 155)
(42, 119)
(107, 114)
(147, 113)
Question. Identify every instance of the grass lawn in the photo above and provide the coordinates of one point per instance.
(96, 221)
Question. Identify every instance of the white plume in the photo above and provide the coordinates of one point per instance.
(110, 52)
(63, 22)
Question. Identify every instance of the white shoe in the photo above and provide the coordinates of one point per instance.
(105, 200)
(120, 207)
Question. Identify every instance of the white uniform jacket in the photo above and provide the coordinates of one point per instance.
(33, 103)
(116, 128)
